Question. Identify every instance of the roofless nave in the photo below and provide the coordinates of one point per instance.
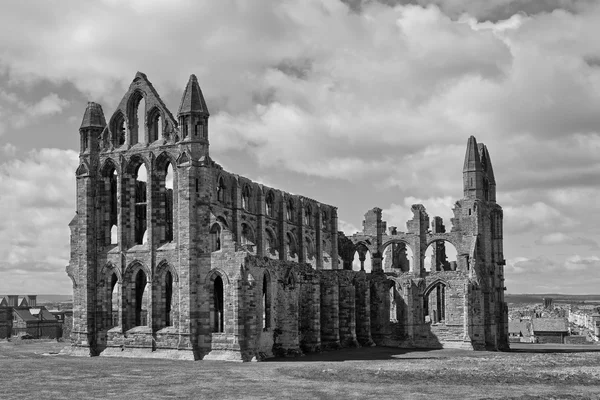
(171, 256)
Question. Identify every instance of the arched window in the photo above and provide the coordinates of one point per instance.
(269, 203)
(308, 216)
(441, 255)
(168, 298)
(118, 130)
(434, 304)
(137, 118)
(393, 308)
(247, 239)
(324, 219)
(397, 257)
(114, 304)
(246, 198)
(110, 204)
(155, 125)
(266, 301)
(362, 259)
(217, 311)
(221, 190)
(169, 203)
(141, 310)
(309, 248)
(140, 225)
(215, 237)
(290, 245)
(271, 243)
(289, 213)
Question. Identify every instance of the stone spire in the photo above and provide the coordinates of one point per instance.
(93, 116)
(192, 101)
(472, 159)
(473, 179)
(486, 163)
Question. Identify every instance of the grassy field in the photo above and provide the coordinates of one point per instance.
(31, 369)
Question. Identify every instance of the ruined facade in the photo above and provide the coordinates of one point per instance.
(171, 256)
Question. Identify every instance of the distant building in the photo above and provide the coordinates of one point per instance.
(588, 319)
(547, 302)
(550, 330)
(21, 316)
(520, 331)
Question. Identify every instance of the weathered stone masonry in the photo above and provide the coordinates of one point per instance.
(189, 261)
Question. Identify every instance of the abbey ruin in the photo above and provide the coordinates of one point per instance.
(171, 256)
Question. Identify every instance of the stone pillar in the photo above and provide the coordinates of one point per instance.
(310, 313)
(363, 310)
(260, 224)
(334, 239)
(301, 233)
(330, 323)
(83, 335)
(347, 313)
(318, 234)
(283, 227)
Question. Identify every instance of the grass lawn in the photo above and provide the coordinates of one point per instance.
(30, 370)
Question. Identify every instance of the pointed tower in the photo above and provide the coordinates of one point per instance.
(489, 182)
(193, 117)
(472, 172)
(91, 127)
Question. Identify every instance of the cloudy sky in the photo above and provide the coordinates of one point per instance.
(354, 103)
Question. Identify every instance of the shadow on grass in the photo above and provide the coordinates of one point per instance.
(553, 348)
(366, 353)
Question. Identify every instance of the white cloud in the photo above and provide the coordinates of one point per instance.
(38, 200)
(398, 214)
(534, 217)
(558, 238)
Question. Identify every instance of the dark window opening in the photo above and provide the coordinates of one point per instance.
(246, 198)
(114, 303)
(168, 203)
(168, 298)
(434, 304)
(307, 216)
(118, 130)
(140, 216)
(290, 211)
(266, 302)
(221, 190)
(155, 126)
(141, 312)
(217, 320)
(215, 237)
(269, 204)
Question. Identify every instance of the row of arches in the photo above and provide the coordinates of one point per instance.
(398, 256)
(271, 243)
(274, 203)
(143, 120)
(220, 288)
(128, 300)
(127, 201)
(434, 303)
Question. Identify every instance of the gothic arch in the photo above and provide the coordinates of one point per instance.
(118, 128)
(213, 273)
(435, 283)
(82, 169)
(132, 269)
(395, 240)
(183, 159)
(107, 270)
(163, 160)
(162, 268)
(108, 165)
(135, 161)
